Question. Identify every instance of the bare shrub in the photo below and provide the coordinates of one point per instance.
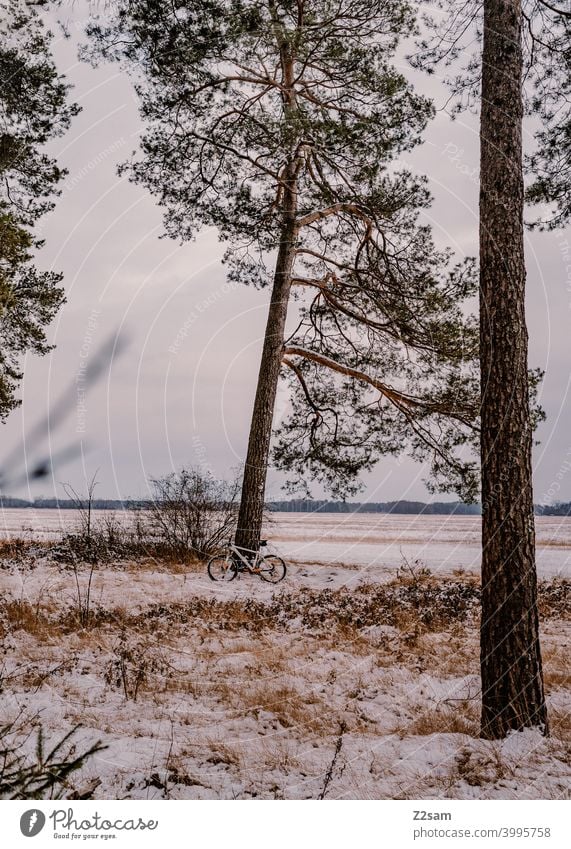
(133, 662)
(21, 553)
(555, 597)
(191, 513)
(414, 572)
(94, 542)
(96, 539)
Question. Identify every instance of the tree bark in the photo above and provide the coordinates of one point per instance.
(251, 511)
(512, 682)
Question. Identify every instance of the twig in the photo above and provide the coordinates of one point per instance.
(330, 770)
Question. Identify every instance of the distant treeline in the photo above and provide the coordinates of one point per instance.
(410, 507)
(434, 508)
(299, 505)
(563, 509)
(69, 503)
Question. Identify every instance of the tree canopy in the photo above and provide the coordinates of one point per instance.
(33, 110)
(247, 102)
(549, 165)
(453, 38)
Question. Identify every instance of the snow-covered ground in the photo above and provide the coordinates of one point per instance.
(377, 541)
(241, 690)
(373, 542)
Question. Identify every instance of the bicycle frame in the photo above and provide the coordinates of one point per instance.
(227, 563)
(245, 563)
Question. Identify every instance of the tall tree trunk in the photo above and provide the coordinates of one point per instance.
(251, 512)
(512, 683)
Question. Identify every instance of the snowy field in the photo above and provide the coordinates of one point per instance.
(375, 543)
(349, 680)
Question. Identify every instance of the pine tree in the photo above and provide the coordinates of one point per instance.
(277, 122)
(522, 67)
(33, 110)
(512, 681)
(383, 359)
(549, 165)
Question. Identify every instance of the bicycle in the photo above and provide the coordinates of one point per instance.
(225, 565)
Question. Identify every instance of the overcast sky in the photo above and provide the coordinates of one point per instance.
(182, 391)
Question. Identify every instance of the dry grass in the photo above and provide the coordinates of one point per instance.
(219, 751)
(164, 564)
(288, 670)
(556, 666)
(23, 551)
(291, 709)
(484, 766)
(278, 755)
(560, 725)
(459, 716)
(40, 620)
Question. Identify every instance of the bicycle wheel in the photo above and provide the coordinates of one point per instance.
(272, 569)
(221, 567)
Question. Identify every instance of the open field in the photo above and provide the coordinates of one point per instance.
(343, 682)
(374, 542)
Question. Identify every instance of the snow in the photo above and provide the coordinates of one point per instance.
(377, 541)
(373, 542)
(237, 701)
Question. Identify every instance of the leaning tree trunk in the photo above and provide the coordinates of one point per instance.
(251, 512)
(512, 683)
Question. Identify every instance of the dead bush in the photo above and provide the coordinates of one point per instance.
(555, 598)
(190, 514)
(133, 663)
